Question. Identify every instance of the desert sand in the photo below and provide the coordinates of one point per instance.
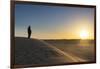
(37, 52)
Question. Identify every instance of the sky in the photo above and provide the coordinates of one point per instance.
(53, 22)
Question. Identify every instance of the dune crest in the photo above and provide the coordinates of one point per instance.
(36, 52)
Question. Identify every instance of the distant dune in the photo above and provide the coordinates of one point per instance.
(36, 52)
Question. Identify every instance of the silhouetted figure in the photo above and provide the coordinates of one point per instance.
(29, 31)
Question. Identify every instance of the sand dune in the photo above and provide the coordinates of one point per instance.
(36, 52)
(81, 49)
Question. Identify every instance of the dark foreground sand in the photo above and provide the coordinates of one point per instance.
(38, 52)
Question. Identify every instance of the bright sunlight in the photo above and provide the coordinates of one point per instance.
(84, 34)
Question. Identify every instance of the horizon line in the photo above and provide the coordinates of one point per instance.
(55, 38)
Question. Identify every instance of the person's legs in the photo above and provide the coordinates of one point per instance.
(29, 35)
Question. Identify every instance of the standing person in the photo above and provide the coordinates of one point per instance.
(29, 31)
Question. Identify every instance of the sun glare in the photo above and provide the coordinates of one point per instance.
(84, 34)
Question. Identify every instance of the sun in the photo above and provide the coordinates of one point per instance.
(84, 34)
